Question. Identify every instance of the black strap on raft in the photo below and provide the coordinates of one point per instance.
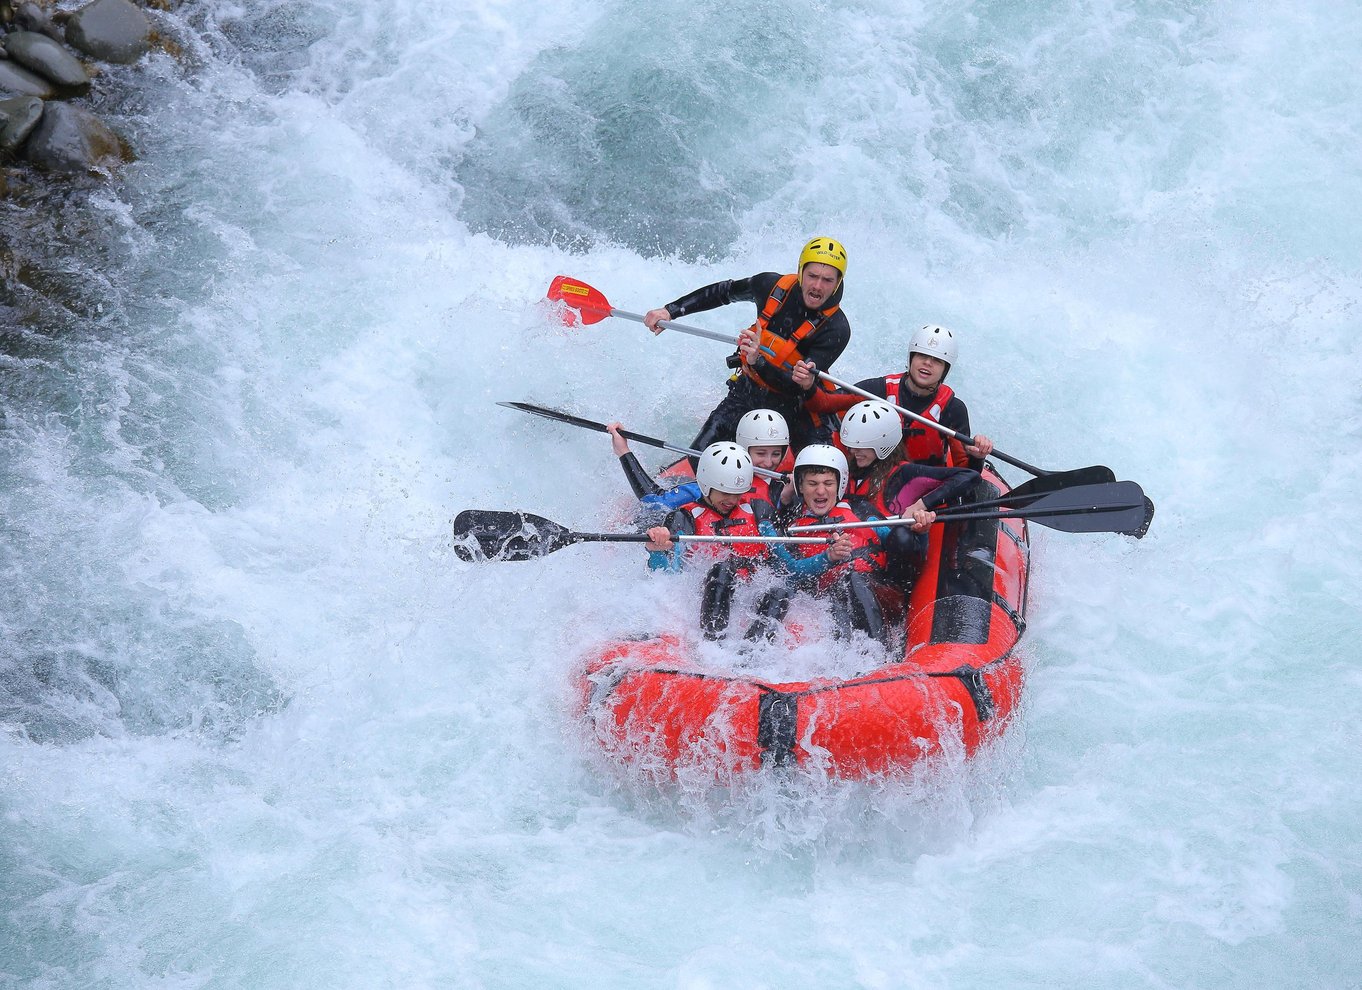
(1012, 613)
(973, 680)
(1016, 538)
(777, 720)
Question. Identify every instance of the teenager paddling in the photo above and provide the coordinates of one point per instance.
(724, 477)
(799, 324)
(919, 388)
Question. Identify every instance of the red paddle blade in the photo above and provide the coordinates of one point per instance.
(579, 299)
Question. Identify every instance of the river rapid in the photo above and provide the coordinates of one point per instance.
(260, 728)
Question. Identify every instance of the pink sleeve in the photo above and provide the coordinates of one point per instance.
(911, 492)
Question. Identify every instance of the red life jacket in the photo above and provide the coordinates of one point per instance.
(761, 487)
(860, 487)
(782, 352)
(923, 443)
(740, 522)
(866, 552)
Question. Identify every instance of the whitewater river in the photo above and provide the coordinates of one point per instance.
(260, 728)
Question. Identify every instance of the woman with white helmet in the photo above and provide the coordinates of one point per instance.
(920, 388)
(842, 570)
(764, 434)
(885, 483)
(881, 472)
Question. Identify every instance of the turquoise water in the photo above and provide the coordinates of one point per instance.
(261, 728)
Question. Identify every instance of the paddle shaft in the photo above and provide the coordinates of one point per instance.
(571, 420)
(683, 538)
(723, 338)
(588, 298)
(925, 421)
(845, 386)
(945, 517)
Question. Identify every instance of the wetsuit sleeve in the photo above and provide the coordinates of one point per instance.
(952, 482)
(672, 560)
(956, 417)
(639, 480)
(717, 294)
(785, 560)
(774, 489)
(762, 511)
(837, 401)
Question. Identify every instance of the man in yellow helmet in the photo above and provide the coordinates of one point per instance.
(800, 324)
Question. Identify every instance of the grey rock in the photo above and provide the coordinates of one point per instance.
(112, 30)
(18, 116)
(30, 17)
(71, 139)
(47, 58)
(18, 81)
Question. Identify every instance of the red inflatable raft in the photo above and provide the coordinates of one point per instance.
(958, 683)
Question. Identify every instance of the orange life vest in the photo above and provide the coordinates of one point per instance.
(923, 443)
(782, 352)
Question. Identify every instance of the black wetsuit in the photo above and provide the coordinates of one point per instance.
(785, 397)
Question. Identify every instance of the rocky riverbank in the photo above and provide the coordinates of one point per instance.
(55, 147)
(50, 57)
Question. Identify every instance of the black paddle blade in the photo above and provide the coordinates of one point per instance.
(490, 534)
(1115, 507)
(1096, 474)
(1028, 492)
(1143, 528)
(554, 414)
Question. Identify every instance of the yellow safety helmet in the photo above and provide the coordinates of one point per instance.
(825, 251)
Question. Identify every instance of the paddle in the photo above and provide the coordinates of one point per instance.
(1028, 491)
(1114, 507)
(1096, 472)
(500, 535)
(561, 417)
(594, 307)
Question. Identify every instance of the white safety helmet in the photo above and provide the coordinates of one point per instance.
(725, 466)
(825, 456)
(935, 341)
(872, 424)
(762, 428)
